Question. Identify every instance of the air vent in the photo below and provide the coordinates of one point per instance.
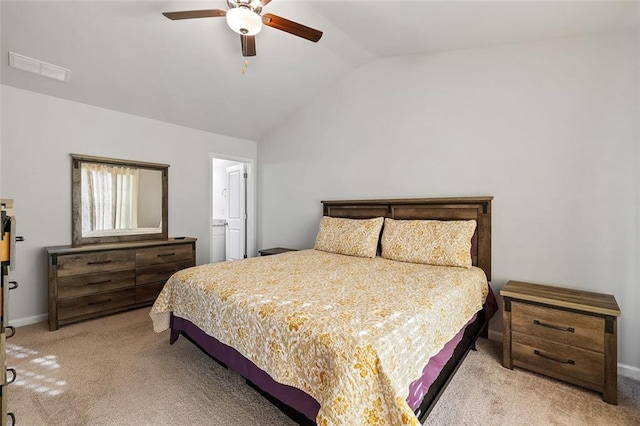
(38, 67)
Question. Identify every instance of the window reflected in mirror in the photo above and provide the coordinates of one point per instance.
(122, 199)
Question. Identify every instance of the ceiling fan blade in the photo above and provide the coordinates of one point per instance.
(191, 14)
(265, 2)
(248, 45)
(291, 27)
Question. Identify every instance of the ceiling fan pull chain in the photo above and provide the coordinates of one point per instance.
(245, 66)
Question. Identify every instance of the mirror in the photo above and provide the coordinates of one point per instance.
(117, 200)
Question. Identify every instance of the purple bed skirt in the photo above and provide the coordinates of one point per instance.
(289, 395)
(295, 397)
(234, 360)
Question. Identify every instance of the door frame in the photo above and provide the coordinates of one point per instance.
(251, 199)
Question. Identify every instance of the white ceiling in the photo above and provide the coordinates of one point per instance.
(125, 56)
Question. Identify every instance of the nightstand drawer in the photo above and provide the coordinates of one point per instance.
(564, 362)
(574, 329)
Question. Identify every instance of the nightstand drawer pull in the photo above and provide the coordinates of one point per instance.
(13, 331)
(563, 361)
(166, 254)
(555, 327)
(13, 419)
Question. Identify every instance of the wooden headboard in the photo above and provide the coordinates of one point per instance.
(458, 208)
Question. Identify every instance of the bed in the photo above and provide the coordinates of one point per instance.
(344, 339)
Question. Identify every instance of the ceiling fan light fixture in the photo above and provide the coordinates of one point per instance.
(244, 21)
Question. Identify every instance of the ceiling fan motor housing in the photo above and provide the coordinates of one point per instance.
(243, 18)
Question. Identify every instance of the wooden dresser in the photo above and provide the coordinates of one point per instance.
(96, 280)
(567, 334)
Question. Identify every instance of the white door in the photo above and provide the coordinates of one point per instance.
(237, 212)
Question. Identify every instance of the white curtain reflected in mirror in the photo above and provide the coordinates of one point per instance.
(120, 199)
(110, 197)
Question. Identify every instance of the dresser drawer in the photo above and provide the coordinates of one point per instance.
(564, 362)
(79, 306)
(88, 263)
(160, 255)
(150, 274)
(574, 329)
(148, 292)
(82, 285)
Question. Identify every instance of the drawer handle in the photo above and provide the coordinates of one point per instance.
(13, 372)
(102, 302)
(13, 285)
(99, 262)
(99, 282)
(166, 254)
(13, 331)
(13, 419)
(563, 361)
(555, 327)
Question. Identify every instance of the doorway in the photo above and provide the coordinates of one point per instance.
(233, 209)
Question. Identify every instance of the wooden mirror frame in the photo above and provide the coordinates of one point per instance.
(76, 201)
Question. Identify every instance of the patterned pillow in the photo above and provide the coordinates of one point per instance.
(353, 237)
(434, 242)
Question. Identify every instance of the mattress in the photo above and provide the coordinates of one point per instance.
(353, 333)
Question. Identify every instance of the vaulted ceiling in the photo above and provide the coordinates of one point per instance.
(126, 56)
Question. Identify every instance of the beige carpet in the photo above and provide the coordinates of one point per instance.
(117, 371)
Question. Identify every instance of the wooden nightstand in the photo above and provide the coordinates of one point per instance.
(275, 250)
(567, 334)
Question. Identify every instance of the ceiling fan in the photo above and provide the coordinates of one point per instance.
(245, 17)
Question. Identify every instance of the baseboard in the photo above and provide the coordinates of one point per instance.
(623, 369)
(629, 371)
(495, 335)
(29, 320)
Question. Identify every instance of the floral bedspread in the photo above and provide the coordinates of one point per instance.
(351, 332)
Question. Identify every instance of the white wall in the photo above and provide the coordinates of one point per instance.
(38, 134)
(548, 128)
